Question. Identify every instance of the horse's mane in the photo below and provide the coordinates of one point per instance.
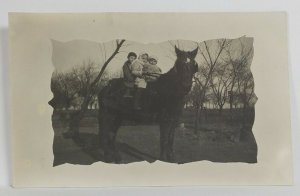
(170, 81)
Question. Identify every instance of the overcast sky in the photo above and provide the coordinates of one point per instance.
(73, 53)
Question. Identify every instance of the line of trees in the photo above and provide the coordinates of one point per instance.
(69, 88)
(224, 76)
(83, 82)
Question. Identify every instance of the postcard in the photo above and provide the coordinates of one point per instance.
(149, 99)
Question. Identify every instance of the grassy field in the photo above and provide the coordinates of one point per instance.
(218, 139)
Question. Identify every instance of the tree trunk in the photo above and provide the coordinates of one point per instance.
(231, 103)
(220, 111)
(245, 116)
(197, 116)
(231, 94)
(76, 117)
(248, 120)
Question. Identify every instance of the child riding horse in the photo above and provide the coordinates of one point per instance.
(171, 89)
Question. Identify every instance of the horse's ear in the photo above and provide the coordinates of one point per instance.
(196, 67)
(193, 53)
(177, 51)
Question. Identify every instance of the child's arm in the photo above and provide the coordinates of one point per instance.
(137, 68)
(127, 73)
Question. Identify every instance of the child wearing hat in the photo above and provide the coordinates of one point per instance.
(150, 70)
(129, 78)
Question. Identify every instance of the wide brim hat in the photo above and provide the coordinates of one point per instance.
(143, 53)
(153, 57)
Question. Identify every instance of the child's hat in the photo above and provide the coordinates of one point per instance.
(143, 53)
(153, 57)
(131, 54)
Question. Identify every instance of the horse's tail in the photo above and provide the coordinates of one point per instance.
(110, 95)
(100, 98)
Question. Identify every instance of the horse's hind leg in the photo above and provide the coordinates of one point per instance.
(163, 140)
(170, 144)
(108, 127)
(112, 138)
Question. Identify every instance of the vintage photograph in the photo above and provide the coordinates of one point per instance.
(177, 101)
(186, 99)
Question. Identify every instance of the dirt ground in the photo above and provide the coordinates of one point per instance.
(214, 141)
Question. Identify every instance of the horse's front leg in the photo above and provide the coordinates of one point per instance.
(166, 140)
(163, 145)
(170, 144)
(111, 153)
(108, 129)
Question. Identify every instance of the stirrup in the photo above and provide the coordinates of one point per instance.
(127, 96)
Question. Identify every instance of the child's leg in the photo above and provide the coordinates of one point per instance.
(137, 99)
(128, 92)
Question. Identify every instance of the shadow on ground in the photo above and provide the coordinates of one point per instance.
(139, 143)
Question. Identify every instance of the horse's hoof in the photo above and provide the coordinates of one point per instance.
(108, 158)
(118, 159)
(171, 159)
(167, 157)
(112, 158)
(162, 158)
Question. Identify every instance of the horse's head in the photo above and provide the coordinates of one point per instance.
(186, 67)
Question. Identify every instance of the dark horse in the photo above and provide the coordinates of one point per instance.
(163, 99)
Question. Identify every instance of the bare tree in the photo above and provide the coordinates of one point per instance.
(64, 87)
(84, 74)
(91, 90)
(69, 87)
(194, 96)
(247, 97)
(210, 53)
(220, 82)
(246, 89)
(239, 58)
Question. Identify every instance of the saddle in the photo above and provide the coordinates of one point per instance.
(115, 95)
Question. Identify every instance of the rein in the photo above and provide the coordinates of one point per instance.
(152, 74)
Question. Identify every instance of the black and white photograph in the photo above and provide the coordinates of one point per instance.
(149, 99)
(177, 101)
